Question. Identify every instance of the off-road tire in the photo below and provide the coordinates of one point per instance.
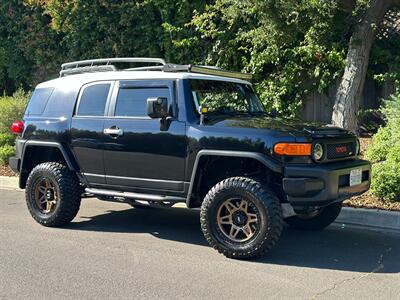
(69, 197)
(326, 216)
(269, 209)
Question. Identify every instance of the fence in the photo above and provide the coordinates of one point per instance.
(318, 107)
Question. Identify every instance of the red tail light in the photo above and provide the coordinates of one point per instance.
(17, 127)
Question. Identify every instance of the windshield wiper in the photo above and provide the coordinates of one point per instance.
(271, 114)
(255, 113)
(223, 112)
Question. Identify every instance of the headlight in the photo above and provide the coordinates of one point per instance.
(318, 151)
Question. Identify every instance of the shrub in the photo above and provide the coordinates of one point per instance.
(385, 153)
(386, 180)
(381, 143)
(5, 153)
(12, 109)
(388, 136)
(6, 139)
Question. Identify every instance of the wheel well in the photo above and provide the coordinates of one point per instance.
(35, 155)
(213, 169)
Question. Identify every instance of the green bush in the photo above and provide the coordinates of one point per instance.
(6, 139)
(12, 109)
(385, 153)
(386, 180)
(387, 137)
(5, 153)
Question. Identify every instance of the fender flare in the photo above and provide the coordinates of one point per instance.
(262, 158)
(70, 163)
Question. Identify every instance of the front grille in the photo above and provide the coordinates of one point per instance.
(340, 150)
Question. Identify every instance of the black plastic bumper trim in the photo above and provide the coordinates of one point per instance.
(14, 163)
(329, 174)
(298, 187)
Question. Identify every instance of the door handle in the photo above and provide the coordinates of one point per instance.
(113, 131)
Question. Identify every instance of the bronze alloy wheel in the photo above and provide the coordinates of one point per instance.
(238, 220)
(53, 194)
(241, 218)
(46, 195)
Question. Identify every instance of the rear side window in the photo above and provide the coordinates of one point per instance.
(38, 101)
(132, 102)
(93, 100)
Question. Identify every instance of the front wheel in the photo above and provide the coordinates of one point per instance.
(317, 219)
(53, 194)
(241, 218)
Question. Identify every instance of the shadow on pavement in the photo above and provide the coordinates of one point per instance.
(336, 248)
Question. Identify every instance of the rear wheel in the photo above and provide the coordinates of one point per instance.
(53, 194)
(241, 218)
(317, 219)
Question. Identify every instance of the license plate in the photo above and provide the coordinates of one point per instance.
(355, 177)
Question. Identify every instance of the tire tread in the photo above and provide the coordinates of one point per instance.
(269, 200)
(70, 194)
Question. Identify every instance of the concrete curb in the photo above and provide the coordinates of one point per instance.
(370, 218)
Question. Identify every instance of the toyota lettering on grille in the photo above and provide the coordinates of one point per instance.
(341, 149)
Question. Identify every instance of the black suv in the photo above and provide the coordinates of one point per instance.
(157, 134)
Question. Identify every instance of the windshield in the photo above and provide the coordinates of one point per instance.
(225, 97)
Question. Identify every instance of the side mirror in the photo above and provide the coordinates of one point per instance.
(157, 108)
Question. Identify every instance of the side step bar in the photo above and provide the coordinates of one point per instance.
(134, 196)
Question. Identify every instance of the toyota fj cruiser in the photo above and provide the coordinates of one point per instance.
(140, 130)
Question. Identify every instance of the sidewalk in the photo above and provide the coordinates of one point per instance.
(9, 183)
(368, 218)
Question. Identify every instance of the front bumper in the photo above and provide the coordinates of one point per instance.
(319, 185)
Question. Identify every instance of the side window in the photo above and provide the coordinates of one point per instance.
(93, 100)
(38, 101)
(132, 102)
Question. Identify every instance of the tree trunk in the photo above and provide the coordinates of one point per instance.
(350, 90)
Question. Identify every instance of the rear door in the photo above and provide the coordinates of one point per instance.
(87, 125)
(139, 153)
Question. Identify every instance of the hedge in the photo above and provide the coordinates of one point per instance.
(11, 109)
(384, 152)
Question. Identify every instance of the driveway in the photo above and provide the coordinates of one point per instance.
(114, 251)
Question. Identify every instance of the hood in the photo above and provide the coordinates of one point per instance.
(294, 127)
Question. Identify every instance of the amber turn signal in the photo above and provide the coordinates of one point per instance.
(293, 149)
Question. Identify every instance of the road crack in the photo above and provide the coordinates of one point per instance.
(380, 266)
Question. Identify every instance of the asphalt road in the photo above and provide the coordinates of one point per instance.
(114, 251)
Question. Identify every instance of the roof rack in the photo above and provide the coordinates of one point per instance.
(103, 64)
(209, 70)
(108, 64)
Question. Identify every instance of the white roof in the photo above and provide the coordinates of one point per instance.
(81, 79)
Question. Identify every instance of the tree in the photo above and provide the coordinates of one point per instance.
(292, 47)
(27, 46)
(98, 28)
(349, 92)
